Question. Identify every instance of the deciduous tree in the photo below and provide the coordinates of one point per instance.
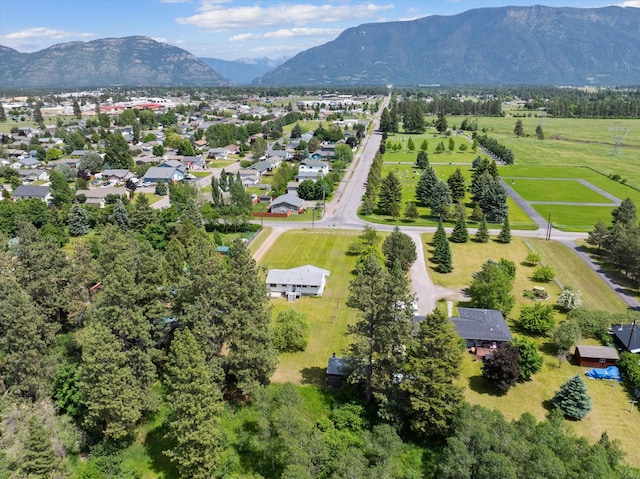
(491, 288)
(537, 319)
(501, 369)
(529, 359)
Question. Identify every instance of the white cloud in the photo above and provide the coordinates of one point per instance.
(214, 16)
(42, 32)
(288, 33)
(37, 38)
(631, 3)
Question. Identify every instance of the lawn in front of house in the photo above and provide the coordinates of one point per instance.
(328, 315)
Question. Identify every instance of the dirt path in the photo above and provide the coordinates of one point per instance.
(268, 242)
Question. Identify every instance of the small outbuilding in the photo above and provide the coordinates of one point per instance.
(596, 356)
(336, 371)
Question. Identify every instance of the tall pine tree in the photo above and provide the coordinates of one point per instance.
(460, 234)
(390, 196)
(573, 398)
(505, 233)
(482, 235)
(195, 404)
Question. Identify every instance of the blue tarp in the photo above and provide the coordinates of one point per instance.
(612, 372)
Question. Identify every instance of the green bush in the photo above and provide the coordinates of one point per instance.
(543, 274)
(290, 331)
(537, 319)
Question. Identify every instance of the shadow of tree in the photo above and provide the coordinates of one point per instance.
(480, 385)
(314, 375)
(548, 405)
(154, 444)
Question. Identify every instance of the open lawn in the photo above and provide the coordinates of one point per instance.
(222, 163)
(572, 142)
(572, 271)
(575, 218)
(556, 190)
(328, 315)
(398, 149)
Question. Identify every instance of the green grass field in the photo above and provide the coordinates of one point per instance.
(556, 190)
(328, 315)
(575, 218)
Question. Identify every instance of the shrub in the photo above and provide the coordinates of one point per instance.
(529, 359)
(570, 299)
(532, 259)
(291, 331)
(543, 274)
(537, 319)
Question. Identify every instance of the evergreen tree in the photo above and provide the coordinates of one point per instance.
(190, 212)
(482, 235)
(410, 211)
(452, 144)
(414, 118)
(460, 234)
(382, 329)
(39, 459)
(441, 123)
(296, 131)
(424, 145)
(456, 184)
(501, 368)
(23, 343)
(598, 236)
(518, 129)
(494, 202)
(440, 200)
(399, 247)
(3, 115)
(424, 188)
(411, 146)
(78, 221)
(252, 357)
(573, 398)
(141, 214)
(445, 257)
(60, 190)
(625, 213)
(432, 368)
(476, 214)
(539, 133)
(390, 197)
(107, 384)
(195, 404)
(120, 216)
(422, 160)
(504, 236)
(76, 109)
(37, 115)
(161, 188)
(386, 125)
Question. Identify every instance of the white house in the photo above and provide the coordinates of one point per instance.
(307, 280)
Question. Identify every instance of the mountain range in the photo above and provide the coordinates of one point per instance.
(128, 61)
(503, 45)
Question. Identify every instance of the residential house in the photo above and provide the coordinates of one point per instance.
(78, 153)
(320, 155)
(287, 202)
(116, 175)
(261, 166)
(218, 153)
(307, 280)
(33, 175)
(193, 163)
(482, 328)
(25, 162)
(24, 192)
(312, 170)
(596, 356)
(292, 187)
(284, 155)
(627, 337)
(249, 177)
(98, 196)
(163, 173)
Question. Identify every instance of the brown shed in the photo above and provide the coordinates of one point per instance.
(596, 356)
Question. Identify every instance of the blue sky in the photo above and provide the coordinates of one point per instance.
(226, 29)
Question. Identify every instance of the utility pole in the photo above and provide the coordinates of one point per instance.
(548, 236)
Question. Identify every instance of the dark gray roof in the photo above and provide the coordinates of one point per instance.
(337, 366)
(483, 324)
(288, 199)
(622, 334)
(24, 191)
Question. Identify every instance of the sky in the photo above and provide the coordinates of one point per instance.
(225, 29)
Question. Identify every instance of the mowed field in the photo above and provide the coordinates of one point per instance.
(328, 315)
